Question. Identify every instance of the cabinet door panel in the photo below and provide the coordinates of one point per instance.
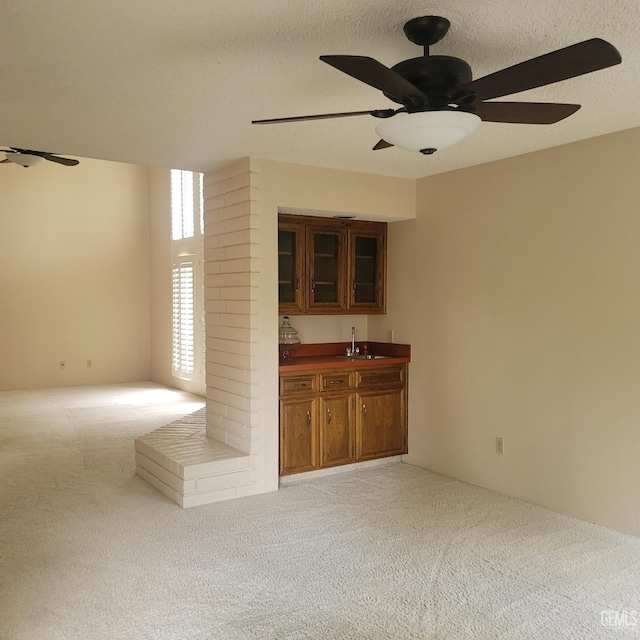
(381, 424)
(336, 432)
(367, 269)
(326, 266)
(290, 267)
(298, 435)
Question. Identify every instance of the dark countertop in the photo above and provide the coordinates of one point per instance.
(330, 355)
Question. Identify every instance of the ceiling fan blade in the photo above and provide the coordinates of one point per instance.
(377, 113)
(382, 144)
(525, 112)
(575, 60)
(68, 162)
(375, 74)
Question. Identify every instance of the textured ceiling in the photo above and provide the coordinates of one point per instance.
(176, 84)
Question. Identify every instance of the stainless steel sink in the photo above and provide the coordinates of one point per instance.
(362, 356)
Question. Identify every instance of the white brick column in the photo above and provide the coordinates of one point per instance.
(233, 311)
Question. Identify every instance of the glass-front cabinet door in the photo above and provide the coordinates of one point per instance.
(326, 262)
(367, 270)
(290, 267)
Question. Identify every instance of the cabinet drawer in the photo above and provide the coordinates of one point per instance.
(389, 377)
(297, 384)
(335, 381)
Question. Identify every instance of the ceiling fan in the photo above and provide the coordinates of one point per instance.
(441, 103)
(28, 158)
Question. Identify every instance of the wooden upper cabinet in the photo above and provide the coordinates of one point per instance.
(367, 268)
(326, 266)
(329, 266)
(291, 261)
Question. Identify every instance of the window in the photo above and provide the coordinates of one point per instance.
(182, 218)
(187, 253)
(184, 318)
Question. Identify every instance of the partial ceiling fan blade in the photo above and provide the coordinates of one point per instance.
(5, 160)
(376, 113)
(575, 60)
(67, 162)
(525, 112)
(376, 75)
(382, 144)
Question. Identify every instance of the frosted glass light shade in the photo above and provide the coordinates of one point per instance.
(25, 159)
(427, 130)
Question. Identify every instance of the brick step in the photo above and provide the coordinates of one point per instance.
(189, 467)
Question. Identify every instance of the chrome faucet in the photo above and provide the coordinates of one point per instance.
(353, 350)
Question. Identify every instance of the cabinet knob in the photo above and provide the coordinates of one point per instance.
(308, 418)
(364, 409)
(328, 416)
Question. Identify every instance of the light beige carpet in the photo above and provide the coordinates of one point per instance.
(88, 550)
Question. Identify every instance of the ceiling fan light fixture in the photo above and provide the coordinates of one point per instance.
(25, 159)
(427, 130)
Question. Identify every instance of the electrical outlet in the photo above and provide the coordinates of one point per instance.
(390, 335)
(500, 445)
(63, 364)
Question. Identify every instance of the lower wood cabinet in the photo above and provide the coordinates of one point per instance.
(380, 425)
(330, 418)
(298, 435)
(336, 432)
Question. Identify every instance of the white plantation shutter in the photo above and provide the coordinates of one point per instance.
(187, 250)
(203, 317)
(184, 318)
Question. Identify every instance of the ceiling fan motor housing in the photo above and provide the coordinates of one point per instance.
(436, 76)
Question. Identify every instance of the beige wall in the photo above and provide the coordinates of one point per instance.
(330, 328)
(160, 273)
(74, 283)
(317, 191)
(518, 286)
